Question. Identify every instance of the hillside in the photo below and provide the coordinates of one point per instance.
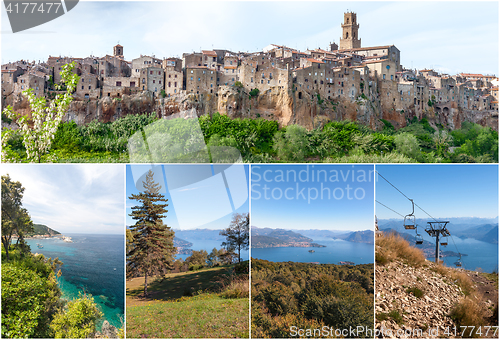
(178, 242)
(431, 300)
(207, 303)
(40, 229)
(268, 238)
(365, 236)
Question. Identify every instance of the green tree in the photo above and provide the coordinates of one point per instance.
(38, 131)
(407, 144)
(291, 146)
(237, 234)
(198, 258)
(78, 320)
(214, 258)
(153, 251)
(441, 140)
(15, 218)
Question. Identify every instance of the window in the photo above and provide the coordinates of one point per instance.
(199, 79)
(168, 84)
(191, 78)
(150, 72)
(90, 87)
(392, 77)
(251, 79)
(118, 83)
(170, 76)
(154, 81)
(175, 84)
(82, 87)
(383, 76)
(191, 71)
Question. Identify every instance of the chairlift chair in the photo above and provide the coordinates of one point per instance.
(444, 242)
(458, 263)
(409, 220)
(419, 239)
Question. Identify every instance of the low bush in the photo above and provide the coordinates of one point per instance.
(392, 246)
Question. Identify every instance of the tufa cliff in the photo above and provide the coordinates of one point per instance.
(285, 106)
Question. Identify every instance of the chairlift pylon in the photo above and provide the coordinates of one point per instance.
(409, 220)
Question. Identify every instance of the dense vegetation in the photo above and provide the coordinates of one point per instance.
(260, 141)
(309, 296)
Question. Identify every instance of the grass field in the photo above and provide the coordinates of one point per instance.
(166, 313)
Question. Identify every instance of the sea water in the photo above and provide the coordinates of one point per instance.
(334, 252)
(92, 264)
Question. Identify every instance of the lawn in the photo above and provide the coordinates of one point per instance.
(168, 313)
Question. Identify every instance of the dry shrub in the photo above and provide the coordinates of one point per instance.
(468, 313)
(236, 289)
(458, 277)
(392, 246)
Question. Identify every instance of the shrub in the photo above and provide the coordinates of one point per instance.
(415, 291)
(254, 93)
(468, 313)
(27, 301)
(78, 320)
(407, 145)
(392, 246)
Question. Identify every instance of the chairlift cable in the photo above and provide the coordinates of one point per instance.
(389, 208)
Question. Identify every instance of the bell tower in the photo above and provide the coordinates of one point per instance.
(118, 51)
(350, 28)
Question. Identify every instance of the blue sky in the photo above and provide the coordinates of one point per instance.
(289, 197)
(450, 36)
(444, 191)
(196, 198)
(84, 198)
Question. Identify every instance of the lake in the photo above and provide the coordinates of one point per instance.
(207, 245)
(94, 264)
(334, 252)
(480, 254)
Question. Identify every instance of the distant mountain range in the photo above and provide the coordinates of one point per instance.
(200, 234)
(40, 229)
(270, 238)
(485, 231)
(365, 236)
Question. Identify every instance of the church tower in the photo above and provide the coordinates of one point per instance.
(350, 28)
(118, 51)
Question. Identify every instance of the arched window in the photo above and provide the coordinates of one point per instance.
(346, 35)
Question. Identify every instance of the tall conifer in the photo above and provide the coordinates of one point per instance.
(153, 241)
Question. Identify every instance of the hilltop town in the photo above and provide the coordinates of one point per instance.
(345, 81)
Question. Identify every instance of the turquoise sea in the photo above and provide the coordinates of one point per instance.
(93, 264)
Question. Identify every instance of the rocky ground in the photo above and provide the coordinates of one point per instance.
(416, 302)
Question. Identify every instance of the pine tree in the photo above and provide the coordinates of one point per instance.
(153, 241)
(237, 234)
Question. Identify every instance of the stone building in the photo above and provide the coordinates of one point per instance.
(152, 79)
(200, 80)
(88, 87)
(33, 81)
(142, 62)
(10, 74)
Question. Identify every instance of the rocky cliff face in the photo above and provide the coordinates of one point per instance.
(429, 313)
(278, 104)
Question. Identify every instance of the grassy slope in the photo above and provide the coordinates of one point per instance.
(167, 314)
